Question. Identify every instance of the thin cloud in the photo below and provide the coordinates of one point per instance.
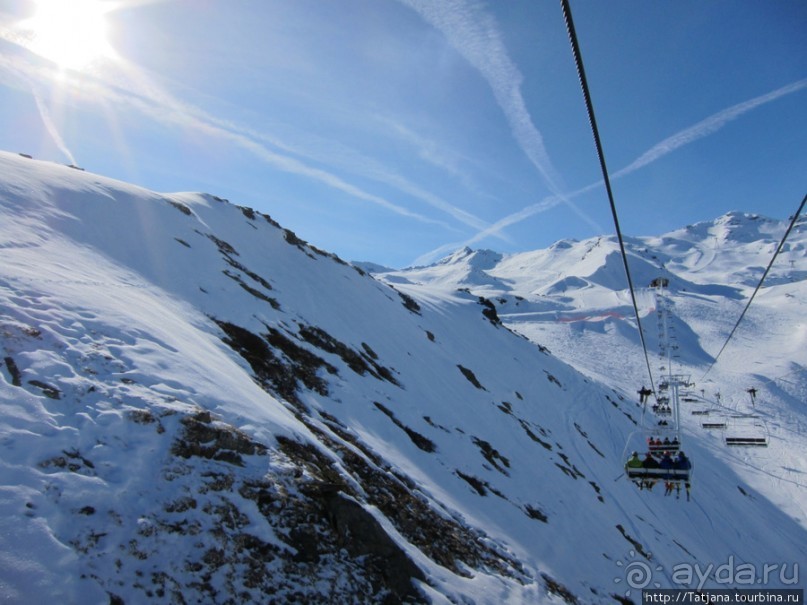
(684, 137)
(346, 158)
(460, 167)
(545, 204)
(184, 114)
(706, 127)
(50, 126)
(431, 152)
(475, 35)
(496, 228)
(138, 92)
(131, 85)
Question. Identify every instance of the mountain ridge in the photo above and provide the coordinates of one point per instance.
(200, 405)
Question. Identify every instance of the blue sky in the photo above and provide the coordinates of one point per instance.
(396, 131)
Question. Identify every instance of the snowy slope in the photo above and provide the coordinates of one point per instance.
(200, 407)
(573, 299)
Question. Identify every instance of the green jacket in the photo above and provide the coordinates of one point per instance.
(635, 462)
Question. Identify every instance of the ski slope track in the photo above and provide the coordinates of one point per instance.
(196, 406)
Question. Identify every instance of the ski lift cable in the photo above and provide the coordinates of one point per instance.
(581, 74)
(759, 285)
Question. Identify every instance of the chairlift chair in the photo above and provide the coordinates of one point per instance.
(659, 474)
(672, 447)
(638, 442)
(741, 432)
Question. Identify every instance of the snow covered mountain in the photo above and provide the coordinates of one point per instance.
(575, 290)
(197, 406)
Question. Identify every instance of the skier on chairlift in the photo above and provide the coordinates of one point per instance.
(682, 462)
(666, 462)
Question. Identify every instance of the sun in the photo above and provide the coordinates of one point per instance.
(71, 33)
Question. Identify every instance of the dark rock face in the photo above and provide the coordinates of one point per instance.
(362, 535)
(214, 442)
(352, 527)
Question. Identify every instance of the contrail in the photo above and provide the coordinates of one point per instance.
(163, 106)
(258, 144)
(688, 135)
(50, 126)
(131, 86)
(475, 35)
(706, 127)
(511, 219)
(340, 156)
(154, 102)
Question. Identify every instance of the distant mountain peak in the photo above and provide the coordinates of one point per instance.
(458, 255)
(478, 259)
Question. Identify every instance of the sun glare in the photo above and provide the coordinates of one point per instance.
(71, 33)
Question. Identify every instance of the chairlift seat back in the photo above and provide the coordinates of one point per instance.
(748, 441)
(664, 474)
